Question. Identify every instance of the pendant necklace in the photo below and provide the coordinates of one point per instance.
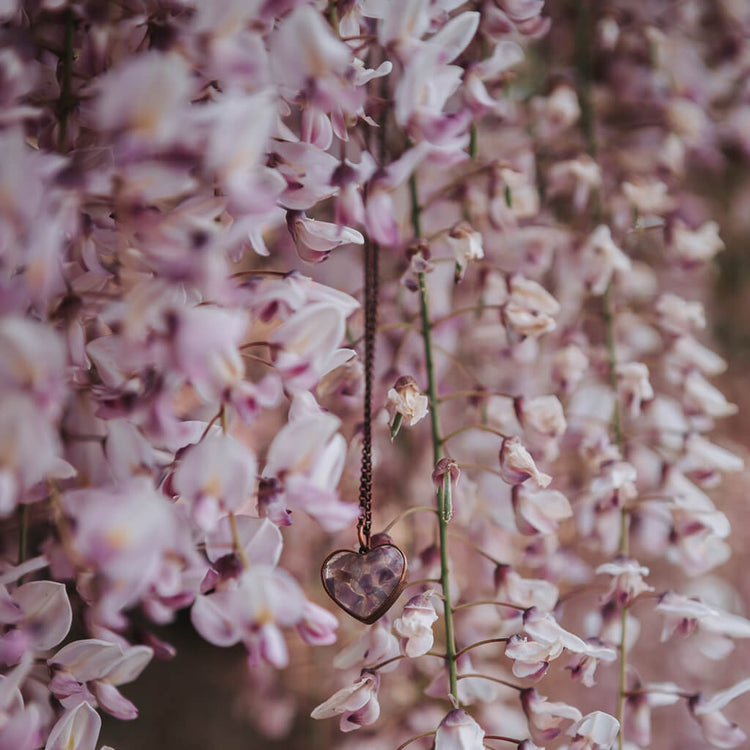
(365, 584)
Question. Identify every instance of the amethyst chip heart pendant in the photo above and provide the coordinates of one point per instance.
(365, 584)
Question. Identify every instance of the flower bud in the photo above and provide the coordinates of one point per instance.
(517, 465)
(545, 718)
(542, 415)
(357, 704)
(458, 731)
(602, 258)
(595, 730)
(406, 399)
(445, 466)
(415, 625)
(466, 245)
(633, 386)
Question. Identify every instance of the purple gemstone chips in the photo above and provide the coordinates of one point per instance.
(365, 585)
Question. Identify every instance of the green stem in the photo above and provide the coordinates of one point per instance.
(333, 15)
(478, 426)
(609, 329)
(416, 209)
(407, 512)
(424, 312)
(481, 643)
(609, 326)
(385, 663)
(585, 67)
(414, 739)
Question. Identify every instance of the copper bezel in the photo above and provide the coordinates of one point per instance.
(388, 602)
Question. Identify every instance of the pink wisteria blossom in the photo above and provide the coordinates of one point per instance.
(357, 704)
(88, 673)
(458, 731)
(198, 403)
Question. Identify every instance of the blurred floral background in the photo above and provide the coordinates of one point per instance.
(558, 196)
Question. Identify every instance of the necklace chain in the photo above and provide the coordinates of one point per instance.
(364, 525)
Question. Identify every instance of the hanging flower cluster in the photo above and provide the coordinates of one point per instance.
(185, 188)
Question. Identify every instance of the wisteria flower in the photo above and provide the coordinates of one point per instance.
(582, 666)
(317, 626)
(595, 731)
(716, 728)
(316, 239)
(696, 245)
(531, 658)
(530, 310)
(541, 415)
(627, 582)
(580, 176)
(415, 625)
(569, 367)
(543, 641)
(167, 373)
(458, 731)
(466, 245)
(517, 465)
(132, 536)
(160, 88)
(38, 615)
(525, 592)
(308, 345)
(89, 672)
(639, 705)
(252, 609)
(357, 704)
(539, 511)
(406, 399)
(258, 540)
(307, 457)
(678, 315)
(716, 628)
(546, 719)
(376, 644)
(634, 386)
(78, 728)
(215, 476)
(602, 259)
(21, 720)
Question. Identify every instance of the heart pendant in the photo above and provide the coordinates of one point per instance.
(365, 584)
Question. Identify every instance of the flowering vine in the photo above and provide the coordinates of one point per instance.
(186, 192)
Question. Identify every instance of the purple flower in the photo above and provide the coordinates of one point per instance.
(78, 728)
(458, 731)
(357, 704)
(415, 625)
(214, 477)
(39, 614)
(88, 672)
(251, 609)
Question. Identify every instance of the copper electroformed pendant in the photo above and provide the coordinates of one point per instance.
(366, 584)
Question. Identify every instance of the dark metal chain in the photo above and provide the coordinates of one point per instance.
(364, 525)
